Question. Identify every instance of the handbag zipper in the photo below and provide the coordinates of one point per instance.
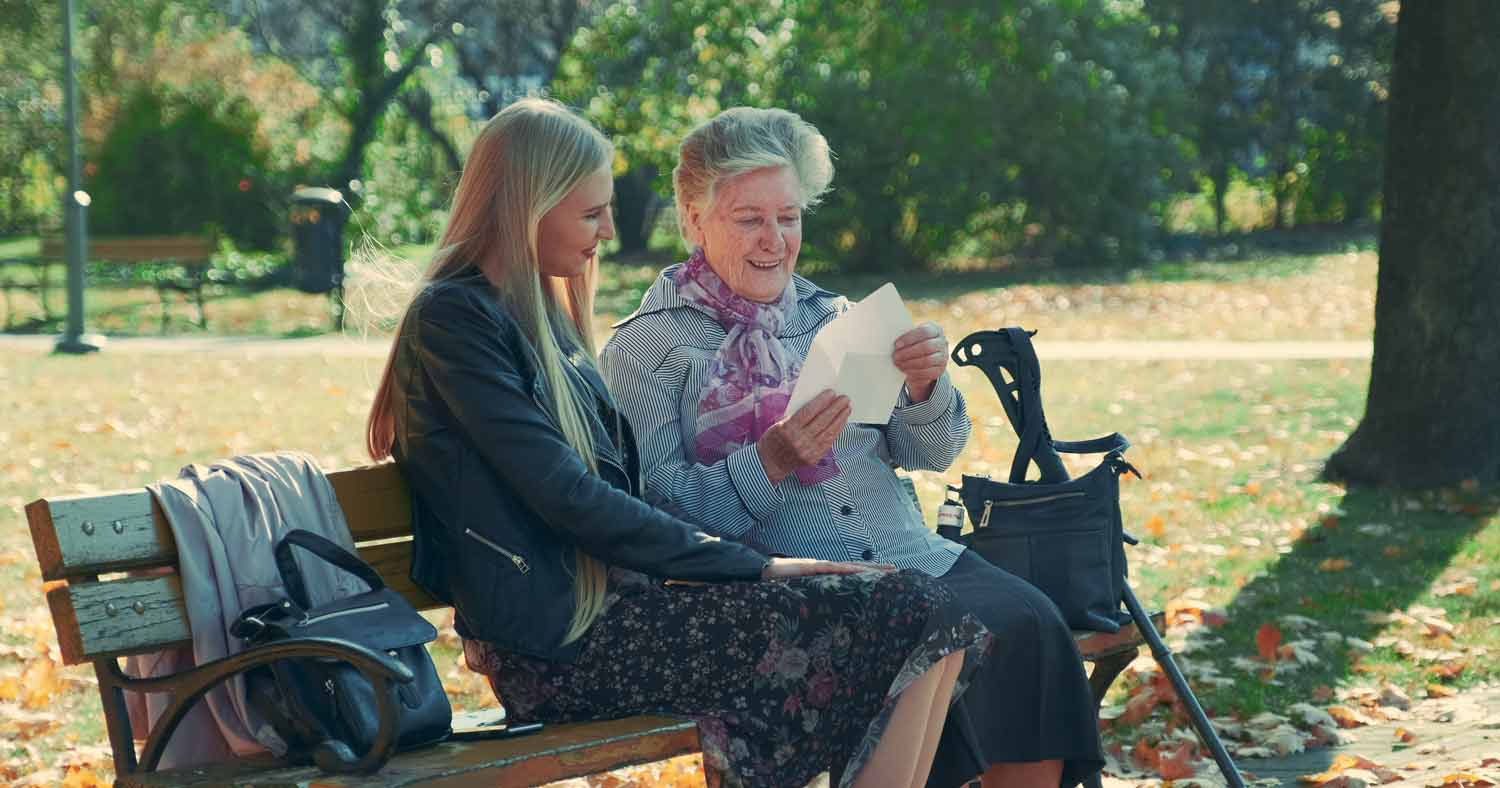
(349, 612)
(515, 559)
(984, 519)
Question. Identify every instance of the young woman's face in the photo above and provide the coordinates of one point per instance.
(568, 236)
(752, 232)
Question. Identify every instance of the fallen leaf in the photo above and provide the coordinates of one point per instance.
(1334, 564)
(1405, 736)
(1440, 691)
(1461, 780)
(1392, 695)
(1177, 765)
(1448, 670)
(1467, 586)
(1157, 527)
(1347, 717)
(1267, 638)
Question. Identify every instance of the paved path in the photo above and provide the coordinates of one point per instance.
(1050, 350)
(1446, 735)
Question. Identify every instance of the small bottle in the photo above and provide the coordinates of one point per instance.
(950, 516)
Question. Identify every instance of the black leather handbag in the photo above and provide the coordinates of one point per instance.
(326, 710)
(1063, 535)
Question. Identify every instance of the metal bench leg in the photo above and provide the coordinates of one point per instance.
(198, 295)
(116, 715)
(161, 295)
(1106, 670)
(42, 282)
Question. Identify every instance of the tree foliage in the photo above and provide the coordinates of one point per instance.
(1035, 125)
(176, 162)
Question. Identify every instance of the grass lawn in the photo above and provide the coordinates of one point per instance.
(1239, 538)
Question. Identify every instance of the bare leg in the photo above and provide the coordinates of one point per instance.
(895, 760)
(1033, 774)
(941, 702)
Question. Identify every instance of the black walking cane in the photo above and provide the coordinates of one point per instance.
(996, 355)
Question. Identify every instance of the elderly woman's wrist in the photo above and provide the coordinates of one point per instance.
(775, 472)
(920, 392)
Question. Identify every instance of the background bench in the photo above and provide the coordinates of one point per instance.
(172, 263)
(82, 542)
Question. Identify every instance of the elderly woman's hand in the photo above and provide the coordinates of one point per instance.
(804, 437)
(922, 355)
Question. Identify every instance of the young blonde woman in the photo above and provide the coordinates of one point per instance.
(525, 482)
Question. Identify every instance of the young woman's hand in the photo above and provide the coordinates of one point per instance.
(802, 567)
(803, 437)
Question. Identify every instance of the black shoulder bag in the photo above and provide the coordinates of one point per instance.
(327, 710)
(1063, 535)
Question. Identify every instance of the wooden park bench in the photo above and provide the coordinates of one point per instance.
(176, 263)
(85, 542)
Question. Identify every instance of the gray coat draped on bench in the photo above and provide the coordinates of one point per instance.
(226, 519)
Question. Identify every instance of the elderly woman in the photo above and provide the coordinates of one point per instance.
(704, 371)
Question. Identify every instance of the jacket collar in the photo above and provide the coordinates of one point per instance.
(814, 304)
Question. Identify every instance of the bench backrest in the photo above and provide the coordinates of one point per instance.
(140, 249)
(81, 537)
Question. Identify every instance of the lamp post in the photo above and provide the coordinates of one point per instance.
(75, 202)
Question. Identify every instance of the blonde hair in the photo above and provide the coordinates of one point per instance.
(745, 139)
(524, 162)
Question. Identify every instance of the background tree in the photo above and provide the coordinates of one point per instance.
(361, 52)
(31, 102)
(1431, 418)
(1015, 125)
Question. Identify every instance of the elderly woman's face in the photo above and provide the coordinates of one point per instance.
(752, 232)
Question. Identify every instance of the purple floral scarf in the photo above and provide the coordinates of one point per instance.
(751, 380)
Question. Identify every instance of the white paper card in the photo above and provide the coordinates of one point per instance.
(852, 356)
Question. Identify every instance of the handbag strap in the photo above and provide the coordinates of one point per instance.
(332, 552)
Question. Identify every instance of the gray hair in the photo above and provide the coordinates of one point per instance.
(745, 139)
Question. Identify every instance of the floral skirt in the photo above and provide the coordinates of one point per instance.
(786, 678)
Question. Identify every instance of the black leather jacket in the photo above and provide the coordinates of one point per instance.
(499, 498)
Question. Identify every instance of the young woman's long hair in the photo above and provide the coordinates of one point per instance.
(525, 161)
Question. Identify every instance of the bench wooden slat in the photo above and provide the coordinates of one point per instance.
(86, 630)
(128, 616)
(138, 249)
(76, 535)
(557, 752)
(375, 501)
(1099, 645)
(92, 534)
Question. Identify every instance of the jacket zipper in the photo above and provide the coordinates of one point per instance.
(984, 519)
(349, 612)
(514, 558)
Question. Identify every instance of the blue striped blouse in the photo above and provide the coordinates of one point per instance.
(655, 366)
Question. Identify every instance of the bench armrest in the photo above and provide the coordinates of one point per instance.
(188, 686)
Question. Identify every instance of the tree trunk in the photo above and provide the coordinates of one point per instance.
(639, 207)
(1431, 419)
(1219, 174)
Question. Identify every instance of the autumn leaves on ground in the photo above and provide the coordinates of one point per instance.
(1301, 612)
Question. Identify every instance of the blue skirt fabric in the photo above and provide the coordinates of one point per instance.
(1030, 700)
